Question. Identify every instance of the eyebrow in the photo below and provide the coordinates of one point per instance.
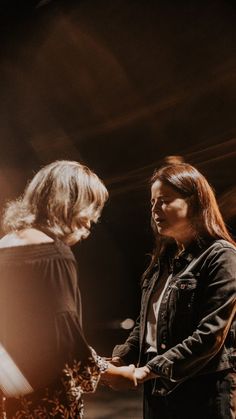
(161, 197)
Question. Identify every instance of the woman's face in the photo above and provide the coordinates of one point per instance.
(81, 231)
(170, 212)
(82, 223)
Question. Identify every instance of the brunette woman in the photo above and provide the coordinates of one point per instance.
(184, 342)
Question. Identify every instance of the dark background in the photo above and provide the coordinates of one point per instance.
(118, 85)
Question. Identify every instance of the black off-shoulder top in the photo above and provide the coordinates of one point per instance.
(40, 310)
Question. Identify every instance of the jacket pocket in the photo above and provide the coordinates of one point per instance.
(183, 292)
(181, 307)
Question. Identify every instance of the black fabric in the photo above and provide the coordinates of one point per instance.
(211, 396)
(196, 320)
(40, 310)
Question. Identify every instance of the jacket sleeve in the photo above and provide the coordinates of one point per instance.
(217, 313)
(129, 351)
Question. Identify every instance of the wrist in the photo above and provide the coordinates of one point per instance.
(149, 372)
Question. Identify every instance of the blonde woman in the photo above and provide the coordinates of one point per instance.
(46, 363)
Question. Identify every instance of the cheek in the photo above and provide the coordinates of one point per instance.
(178, 212)
(183, 212)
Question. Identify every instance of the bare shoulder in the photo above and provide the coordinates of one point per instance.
(24, 237)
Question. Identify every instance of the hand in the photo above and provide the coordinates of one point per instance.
(143, 374)
(120, 378)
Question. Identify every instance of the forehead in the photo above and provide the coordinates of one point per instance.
(162, 189)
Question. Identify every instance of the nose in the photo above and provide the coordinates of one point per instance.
(157, 210)
(156, 206)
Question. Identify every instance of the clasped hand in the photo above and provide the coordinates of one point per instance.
(143, 374)
(119, 378)
(125, 377)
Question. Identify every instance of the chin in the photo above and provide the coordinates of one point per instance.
(164, 232)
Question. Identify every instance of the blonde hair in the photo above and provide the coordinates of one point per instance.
(57, 198)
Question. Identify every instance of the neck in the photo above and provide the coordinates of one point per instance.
(184, 240)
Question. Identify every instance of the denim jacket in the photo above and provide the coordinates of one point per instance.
(196, 327)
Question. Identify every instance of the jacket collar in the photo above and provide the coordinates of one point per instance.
(194, 249)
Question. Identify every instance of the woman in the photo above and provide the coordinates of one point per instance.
(45, 362)
(184, 341)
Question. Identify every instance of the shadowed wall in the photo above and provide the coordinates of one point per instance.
(117, 86)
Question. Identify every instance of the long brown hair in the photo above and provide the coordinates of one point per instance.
(206, 217)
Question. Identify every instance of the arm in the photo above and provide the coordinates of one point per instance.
(89, 368)
(119, 378)
(218, 311)
(84, 377)
(128, 352)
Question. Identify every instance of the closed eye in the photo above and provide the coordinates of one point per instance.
(160, 201)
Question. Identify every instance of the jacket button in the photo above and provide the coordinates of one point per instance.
(163, 346)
